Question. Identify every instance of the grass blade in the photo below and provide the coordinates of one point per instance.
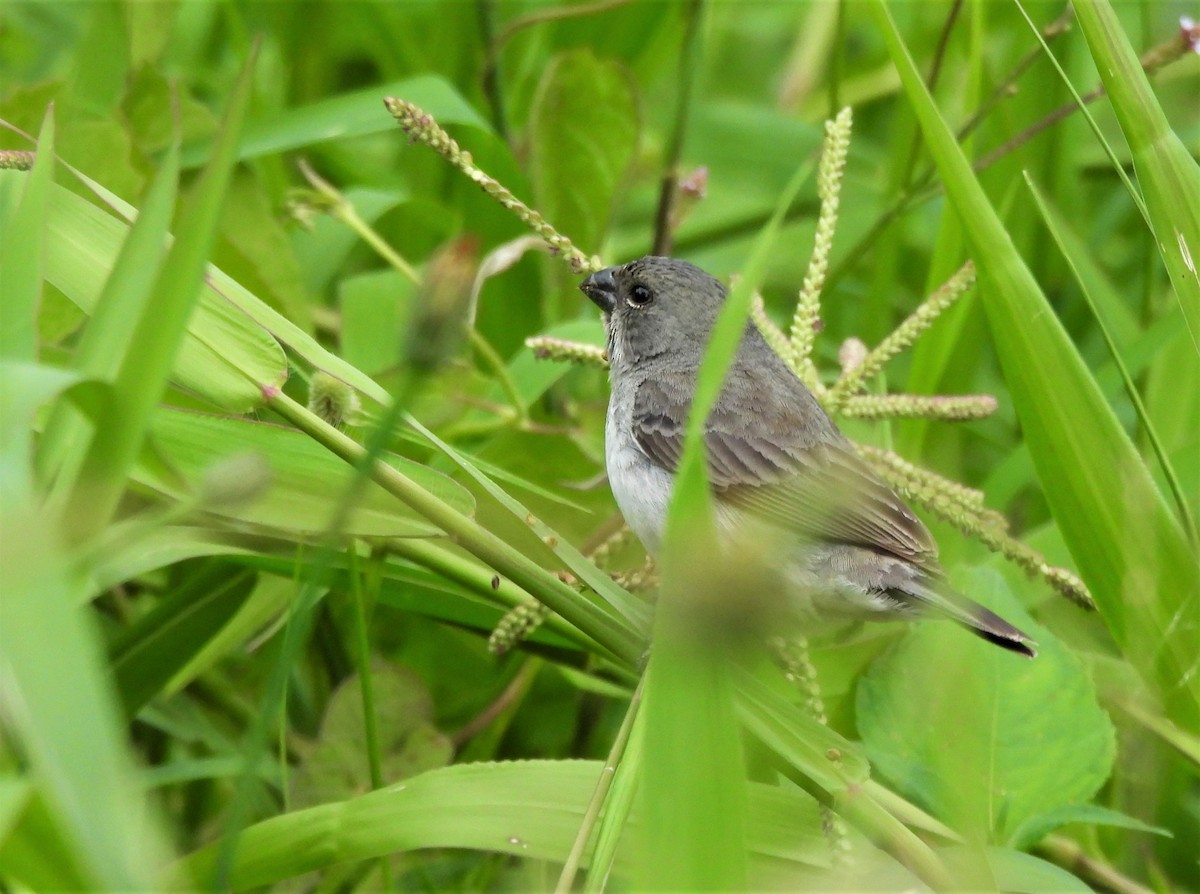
(160, 330)
(1167, 172)
(1129, 547)
(106, 339)
(21, 254)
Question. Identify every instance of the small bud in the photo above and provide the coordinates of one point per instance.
(332, 400)
(234, 480)
(851, 354)
(689, 192)
(1189, 33)
(16, 160)
(443, 304)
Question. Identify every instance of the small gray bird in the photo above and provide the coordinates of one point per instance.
(774, 457)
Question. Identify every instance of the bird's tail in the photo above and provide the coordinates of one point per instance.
(938, 594)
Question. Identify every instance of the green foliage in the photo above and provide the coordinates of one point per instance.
(242, 641)
(583, 132)
(997, 745)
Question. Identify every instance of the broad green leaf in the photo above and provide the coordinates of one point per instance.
(356, 114)
(223, 358)
(999, 741)
(374, 307)
(255, 248)
(16, 792)
(1167, 172)
(306, 480)
(970, 869)
(322, 248)
(528, 809)
(409, 743)
(232, 359)
(583, 132)
(1025, 874)
(101, 64)
(1129, 548)
(532, 376)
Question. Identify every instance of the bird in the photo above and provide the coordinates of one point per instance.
(850, 547)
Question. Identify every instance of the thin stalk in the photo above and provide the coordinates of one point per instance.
(935, 70)
(870, 818)
(554, 13)
(486, 11)
(837, 62)
(341, 209)
(1005, 88)
(1152, 60)
(616, 638)
(1070, 856)
(907, 812)
(566, 878)
(689, 65)
(924, 188)
(497, 365)
(362, 655)
(510, 696)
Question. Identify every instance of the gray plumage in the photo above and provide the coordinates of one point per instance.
(774, 456)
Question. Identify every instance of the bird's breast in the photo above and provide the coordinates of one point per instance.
(642, 489)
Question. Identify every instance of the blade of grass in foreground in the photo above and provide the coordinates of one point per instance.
(1129, 547)
(21, 254)
(106, 338)
(150, 356)
(1068, 245)
(695, 799)
(1166, 171)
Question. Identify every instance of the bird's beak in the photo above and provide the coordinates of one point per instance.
(601, 287)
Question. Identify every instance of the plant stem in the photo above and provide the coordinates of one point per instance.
(486, 10)
(689, 64)
(603, 785)
(1070, 856)
(497, 365)
(616, 638)
(341, 209)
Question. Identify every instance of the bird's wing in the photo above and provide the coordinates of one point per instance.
(769, 465)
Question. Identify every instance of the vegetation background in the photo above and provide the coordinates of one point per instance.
(230, 661)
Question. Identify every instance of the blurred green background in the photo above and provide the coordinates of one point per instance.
(185, 654)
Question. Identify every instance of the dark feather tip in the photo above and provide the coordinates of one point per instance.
(990, 626)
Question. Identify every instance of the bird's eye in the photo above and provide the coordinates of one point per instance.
(639, 296)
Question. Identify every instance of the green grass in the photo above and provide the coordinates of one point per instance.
(244, 644)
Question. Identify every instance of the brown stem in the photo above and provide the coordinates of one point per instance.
(688, 65)
(1070, 856)
(501, 703)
